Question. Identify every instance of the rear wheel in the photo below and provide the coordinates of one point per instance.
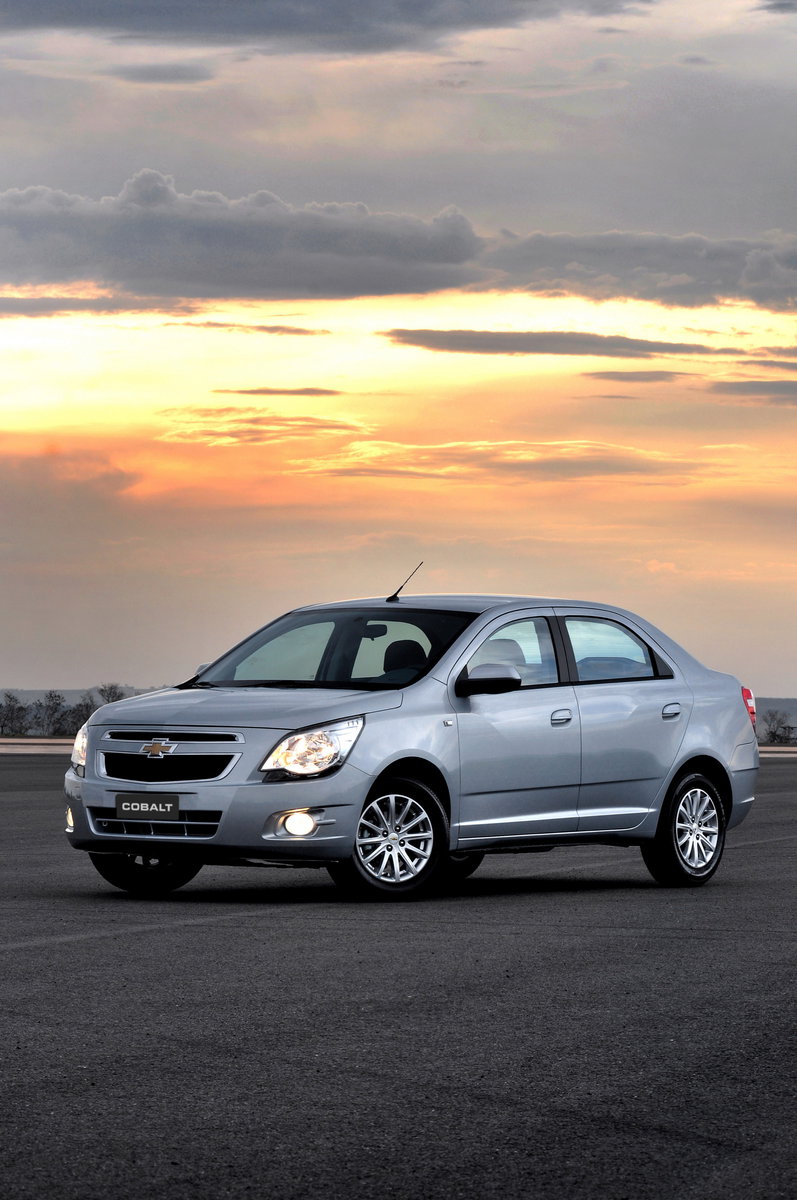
(400, 844)
(144, 875)
(689, 841)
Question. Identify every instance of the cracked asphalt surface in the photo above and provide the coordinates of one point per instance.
(560, 1028)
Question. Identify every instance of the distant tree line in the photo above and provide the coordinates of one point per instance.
(52, 716)
(775, 728)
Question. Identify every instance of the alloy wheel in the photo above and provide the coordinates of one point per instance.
(697, 828)
(395, 838)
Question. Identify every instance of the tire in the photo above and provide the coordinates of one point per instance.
(689, 841)
(400, 845)
(144, 875)
(458, 865)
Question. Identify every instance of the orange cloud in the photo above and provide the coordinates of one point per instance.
(514, 460)
(251, 426)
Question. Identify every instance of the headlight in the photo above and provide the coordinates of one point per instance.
(80, 746)
(314, 750)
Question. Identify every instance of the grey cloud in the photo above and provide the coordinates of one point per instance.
(480, 341)
(778, 6)
(175, 72)
(270, 391)
(151, 238)
(780, 364)
(687, 270)
(342, 25)
(637, 376)
(48, 306)
(768, 391)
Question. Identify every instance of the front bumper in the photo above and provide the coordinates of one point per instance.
(221, 821)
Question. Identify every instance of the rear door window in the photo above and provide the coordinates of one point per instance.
(605, 650)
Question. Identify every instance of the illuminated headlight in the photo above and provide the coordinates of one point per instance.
(314, 750)
(80, 747)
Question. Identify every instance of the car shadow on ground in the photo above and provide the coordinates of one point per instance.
(303, 892)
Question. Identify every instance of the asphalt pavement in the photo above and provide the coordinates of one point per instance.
(559, 1029)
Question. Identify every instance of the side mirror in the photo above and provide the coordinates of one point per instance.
(489, 679)
(201, 668)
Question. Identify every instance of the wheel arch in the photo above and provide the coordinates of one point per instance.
(714, 771)
(424, 772)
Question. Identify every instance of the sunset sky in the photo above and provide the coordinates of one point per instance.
(294, 295)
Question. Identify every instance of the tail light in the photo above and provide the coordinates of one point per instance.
(749, 700)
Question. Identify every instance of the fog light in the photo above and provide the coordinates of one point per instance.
(299, 824)
(70, 821)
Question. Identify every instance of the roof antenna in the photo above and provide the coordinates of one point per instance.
(394, 598)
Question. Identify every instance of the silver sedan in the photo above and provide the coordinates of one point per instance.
(397, 741)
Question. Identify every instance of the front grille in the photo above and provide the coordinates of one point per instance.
(199, 823)
(179, 768)
(175, 735)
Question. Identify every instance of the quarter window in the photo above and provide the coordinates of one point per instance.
(605, 650)
(526, 645)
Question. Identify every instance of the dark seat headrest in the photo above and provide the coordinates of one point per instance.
(405, 655)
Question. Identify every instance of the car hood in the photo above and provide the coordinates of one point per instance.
(247, 708)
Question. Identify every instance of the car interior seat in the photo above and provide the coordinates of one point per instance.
(499, 650)
(404, 660)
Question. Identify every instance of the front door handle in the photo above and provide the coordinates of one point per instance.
(561, 716)
(671, 711)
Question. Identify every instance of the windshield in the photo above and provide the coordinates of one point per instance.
(340, 648)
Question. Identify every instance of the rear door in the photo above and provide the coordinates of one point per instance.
(634, 708)
(519, 752)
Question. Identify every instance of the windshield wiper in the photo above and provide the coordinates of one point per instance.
(346, 685)
(275, 683)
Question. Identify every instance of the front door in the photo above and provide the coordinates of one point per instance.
(519, 752)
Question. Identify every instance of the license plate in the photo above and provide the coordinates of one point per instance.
(148, 808)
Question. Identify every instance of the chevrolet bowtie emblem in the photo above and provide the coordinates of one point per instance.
(157, 748)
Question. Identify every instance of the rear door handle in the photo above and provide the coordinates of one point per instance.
(671, 711)
(561, 716)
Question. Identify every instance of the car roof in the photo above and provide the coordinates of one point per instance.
(482, 604)
(462, 602)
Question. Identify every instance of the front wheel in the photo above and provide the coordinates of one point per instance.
(400, 844)
(144, 875)
(689, 841)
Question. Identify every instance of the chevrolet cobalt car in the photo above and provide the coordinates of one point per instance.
(397, 742)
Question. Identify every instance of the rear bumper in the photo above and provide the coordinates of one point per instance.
(743, 789)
